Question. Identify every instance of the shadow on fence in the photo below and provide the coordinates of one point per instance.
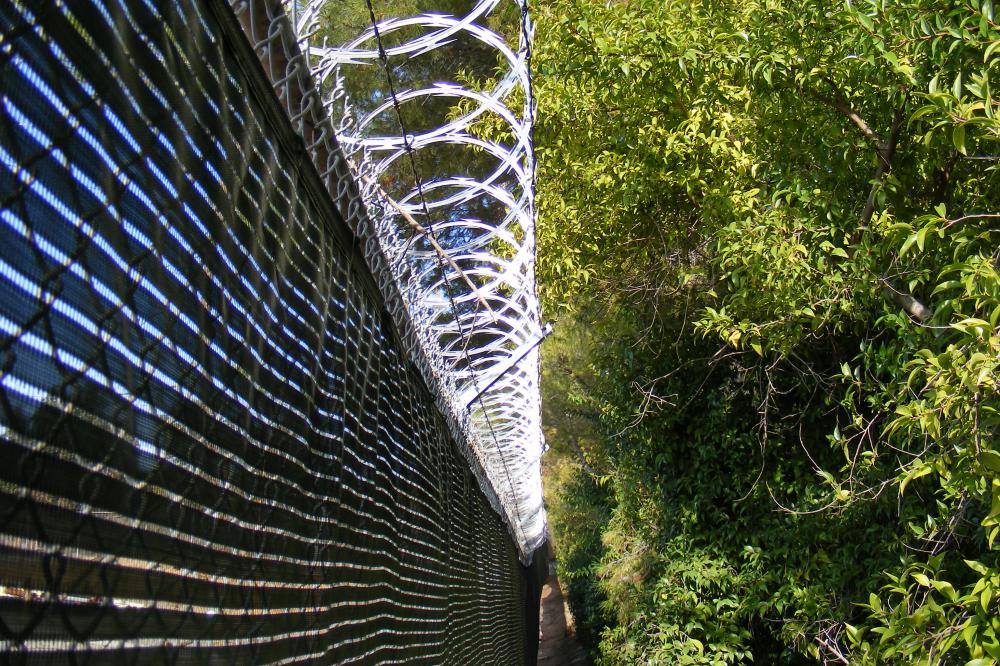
(215, 448)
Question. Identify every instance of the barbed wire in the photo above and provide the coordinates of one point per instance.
(216, 441)
(478, 319)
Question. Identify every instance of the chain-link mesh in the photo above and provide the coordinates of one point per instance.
(446, 218)
(213, 445)
(432, 101)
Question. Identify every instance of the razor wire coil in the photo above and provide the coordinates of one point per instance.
(475, 311)
(216, 440)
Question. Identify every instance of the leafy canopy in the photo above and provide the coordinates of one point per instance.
(777, 224)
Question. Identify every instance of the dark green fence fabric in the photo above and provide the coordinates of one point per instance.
(213, 447)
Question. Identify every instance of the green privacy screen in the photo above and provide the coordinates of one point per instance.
(213, 445)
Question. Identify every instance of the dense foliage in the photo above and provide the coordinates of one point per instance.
(770, 234)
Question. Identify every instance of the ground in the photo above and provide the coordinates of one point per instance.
(558, 645)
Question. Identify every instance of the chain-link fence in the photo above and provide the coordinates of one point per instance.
(432, 101)
(214, 447)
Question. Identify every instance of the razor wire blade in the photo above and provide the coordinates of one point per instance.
(452, 199)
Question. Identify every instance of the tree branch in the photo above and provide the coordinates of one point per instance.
(885, 155)
(580, 454)
(912, 306)
(972, 216)
(839, 103)
(419, 228)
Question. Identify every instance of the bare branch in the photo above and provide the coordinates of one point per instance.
(885, 154)
(912, 306)
(419, 228)
(839, 103)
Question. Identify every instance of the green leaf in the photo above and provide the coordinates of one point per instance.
(990, 50)
(991, 460)
(969, 631)
(946, 588)
(915, 473)
(958, 138)
(977, 567)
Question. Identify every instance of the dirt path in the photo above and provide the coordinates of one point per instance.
(558, 646)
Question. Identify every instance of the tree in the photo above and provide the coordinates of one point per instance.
(786, 218)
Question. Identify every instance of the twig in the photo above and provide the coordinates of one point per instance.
(840, 103)
(419, 228)
(972, 216)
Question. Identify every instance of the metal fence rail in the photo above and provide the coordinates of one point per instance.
(213, 445)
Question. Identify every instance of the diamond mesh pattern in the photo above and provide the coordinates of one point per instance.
(214, 447)
(436, 112)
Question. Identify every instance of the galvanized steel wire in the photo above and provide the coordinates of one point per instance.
(217, 439)
(475, 308)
